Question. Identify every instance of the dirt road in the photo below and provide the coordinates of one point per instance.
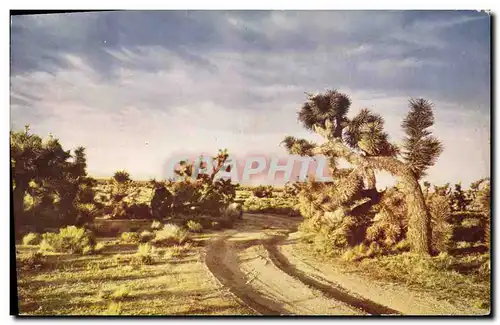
(257, 263)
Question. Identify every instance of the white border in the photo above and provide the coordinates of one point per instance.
(187, 4)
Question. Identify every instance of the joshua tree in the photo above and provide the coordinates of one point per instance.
(54, 177)
(363, 142)
(121, 176)
(458, 198)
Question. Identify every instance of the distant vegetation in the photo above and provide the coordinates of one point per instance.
(51, 187)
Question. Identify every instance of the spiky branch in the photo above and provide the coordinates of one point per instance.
(420, 147)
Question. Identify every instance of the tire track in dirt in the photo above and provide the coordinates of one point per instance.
(222, 262)
(330, 290)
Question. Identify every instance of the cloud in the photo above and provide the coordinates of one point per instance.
(114, 81)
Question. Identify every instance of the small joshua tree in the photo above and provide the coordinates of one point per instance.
(196, 192)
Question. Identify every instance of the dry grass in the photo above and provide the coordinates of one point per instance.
(170, 235)
(178, 283)
(458, 279)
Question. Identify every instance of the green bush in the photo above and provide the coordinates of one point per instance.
(170, 235)
(146, 236)
(32, 239)
(144, 255)
(91, 250)
(99, 247)
(68, 240)
(130, 238)
(40, 199)
(194, 226)
(117, 294)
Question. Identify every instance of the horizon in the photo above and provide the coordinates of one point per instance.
(136, 87)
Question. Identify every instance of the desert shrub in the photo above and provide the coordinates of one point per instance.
(263, 191)
(195, 192)
(235, 210)
(485, 269)
(87, 250)
(99, 247)
(120, 293)
(91, 250)
(483, 202)
(86, 212)
(146, 236)
(68, 240)
(156, 225)
(326, 210)
(402, 246)
(332, 239)
(471, 222)
(386, 228)
(32, 261)
(122, 209)
(375, 250)
(310, 226)
(389, 223)
(462, 244)
(442, 231)
(170, 235)
(363, 251)
(130, 237)
(121, 176)
(292, 190)
(119, 208)
(32, 239)
(40, 199)
(194, 226)
(144, 255)
(355, 253)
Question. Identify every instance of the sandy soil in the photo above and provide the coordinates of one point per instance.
(262, 266)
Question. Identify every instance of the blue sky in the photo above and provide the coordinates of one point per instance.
(136, 87)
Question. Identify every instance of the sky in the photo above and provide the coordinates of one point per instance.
(137, 87)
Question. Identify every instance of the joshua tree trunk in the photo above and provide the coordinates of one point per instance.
(370, 178)
(419, 231)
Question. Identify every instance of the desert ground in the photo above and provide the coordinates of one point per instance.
(262, 266)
